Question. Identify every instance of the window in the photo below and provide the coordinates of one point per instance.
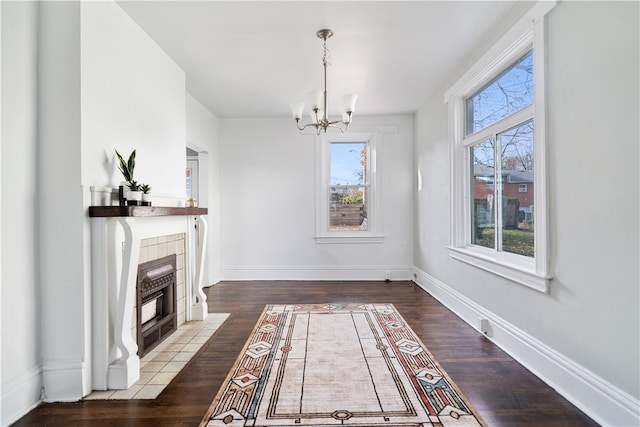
(346, 195)
(348, 186)
(498, 161)
(505, 152)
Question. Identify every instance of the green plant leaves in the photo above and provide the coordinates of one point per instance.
(127, 167)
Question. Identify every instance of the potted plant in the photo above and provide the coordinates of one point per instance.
(134, 195)
(146, 197)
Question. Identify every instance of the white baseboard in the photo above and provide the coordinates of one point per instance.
(21, 394)
(297, 272)
(63, 380)
(599, 399)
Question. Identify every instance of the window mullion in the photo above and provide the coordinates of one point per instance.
(497, 179)
(507, 123)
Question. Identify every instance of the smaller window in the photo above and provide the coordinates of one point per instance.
(349, 186)
(348, 206)
(522, 188)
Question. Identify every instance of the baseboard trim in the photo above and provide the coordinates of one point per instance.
(21, 394)
(314, 272)
(62, 380)
(603, 402)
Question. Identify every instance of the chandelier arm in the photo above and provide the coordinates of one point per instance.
(306, 126)
(332, 125)
(324, 125)
(298, 125)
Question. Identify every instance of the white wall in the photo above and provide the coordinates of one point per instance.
(101, 83)
(591, 318)
(202, 136)
(133, 97)
(61, 238)
(20, 368)
(267, 205)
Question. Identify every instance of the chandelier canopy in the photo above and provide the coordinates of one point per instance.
(318, 100)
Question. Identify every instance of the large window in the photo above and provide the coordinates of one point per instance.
(498, 161)
(502, 161)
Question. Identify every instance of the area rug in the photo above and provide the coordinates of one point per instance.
(337, 365)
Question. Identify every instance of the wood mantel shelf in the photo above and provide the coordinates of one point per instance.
(142, 211)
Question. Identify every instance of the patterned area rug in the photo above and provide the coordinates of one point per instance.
(337, 365)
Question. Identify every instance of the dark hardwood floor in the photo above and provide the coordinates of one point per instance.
(503, 392)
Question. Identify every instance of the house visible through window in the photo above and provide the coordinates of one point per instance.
(503, 157)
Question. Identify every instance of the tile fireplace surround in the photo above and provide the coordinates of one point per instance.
(121, 238)
(159, 247)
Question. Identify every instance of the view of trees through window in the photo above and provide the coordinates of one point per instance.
(348, 195)
(502, 166)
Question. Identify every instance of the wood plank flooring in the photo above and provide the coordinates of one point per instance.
(504, 392)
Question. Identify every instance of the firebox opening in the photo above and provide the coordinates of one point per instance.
(156, 302)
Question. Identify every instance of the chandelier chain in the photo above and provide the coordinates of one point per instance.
(325, 62)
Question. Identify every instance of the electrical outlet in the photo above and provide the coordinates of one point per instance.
(483, 325)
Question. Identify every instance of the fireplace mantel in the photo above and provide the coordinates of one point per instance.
(116, 233)
(142, 211)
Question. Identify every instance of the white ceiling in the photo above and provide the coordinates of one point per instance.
(251, 59)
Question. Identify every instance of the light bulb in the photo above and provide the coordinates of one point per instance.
(349, 103)
(296, 109)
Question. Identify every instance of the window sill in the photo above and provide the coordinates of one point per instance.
(349, 238)
(519, 272)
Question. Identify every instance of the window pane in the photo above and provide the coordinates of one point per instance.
(348, 163)
(507, 94)
(483, 190)
(348, 208)
(348, 197)
(517, 190)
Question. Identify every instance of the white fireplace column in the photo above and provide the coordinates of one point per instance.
(114, 271)
(197, 299)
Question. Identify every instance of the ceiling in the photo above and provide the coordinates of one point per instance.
(252, 59)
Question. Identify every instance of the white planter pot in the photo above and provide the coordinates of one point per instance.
(134, 198)
(146, 199)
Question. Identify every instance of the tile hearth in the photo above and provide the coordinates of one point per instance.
(162, 364)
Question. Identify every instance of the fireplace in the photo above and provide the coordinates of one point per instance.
(156, 306)
(122, 238)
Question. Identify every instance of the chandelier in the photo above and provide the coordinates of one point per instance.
(318, 100)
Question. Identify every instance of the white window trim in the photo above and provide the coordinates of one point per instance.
(374, 219)
(534, 272)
